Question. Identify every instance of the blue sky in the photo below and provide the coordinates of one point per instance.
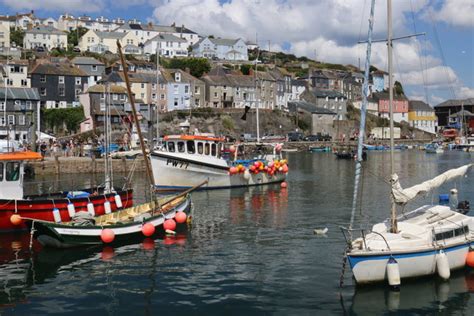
(327, 29)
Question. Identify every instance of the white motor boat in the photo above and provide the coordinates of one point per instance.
(184, 161)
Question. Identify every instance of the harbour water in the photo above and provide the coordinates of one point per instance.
(249, 251)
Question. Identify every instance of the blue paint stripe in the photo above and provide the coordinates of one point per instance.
(353, 260)
(180, 188)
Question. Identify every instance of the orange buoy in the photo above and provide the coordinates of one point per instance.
(107, 235)
(470, 259)
(180, 217)
(15, 219)
(148, 229)
(284, 185)
(169, 224)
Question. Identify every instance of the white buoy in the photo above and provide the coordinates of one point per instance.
(118, 201)
(90, 208)
(56, 215)
(393, 273)
(320, 231)
(107, 207)
(71, 209)
(247, 175)
(442, 265)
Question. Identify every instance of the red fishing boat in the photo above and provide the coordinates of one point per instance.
(55, 207)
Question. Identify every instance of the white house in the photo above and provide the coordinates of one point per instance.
(43, 36)
(16, 72)
(4, 33)
(100, 42)
(169, 45)
(220, 48)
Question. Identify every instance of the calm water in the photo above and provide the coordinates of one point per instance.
(249, 251)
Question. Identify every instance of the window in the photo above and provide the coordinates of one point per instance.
(78, 81)
(186, 89)
(12, 171)
(153, 96)
(61, 79)
(176, 89)
(162, 96)
(43, 91)
(200, 148)
(102, 106)
(171, 147)
(197, 90)
(214, 149)
(142, 95)
(206, 149)
(21, 119)
(11, 120)
(191, 147)
(24, 82)
(162, 86)
(153, 86)
(2, 106)
(94, 67)
(2, 121)
(452, 233)
(102, 96)
(215, 94)
(122, 97)
(181, 147)
(115, 97)
(176, 101)
(143, 86)
(42, 78)
(1, 171)
(62, 91)
(197, 102)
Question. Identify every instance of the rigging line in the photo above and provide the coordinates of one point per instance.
(359, 48)
(420, 55)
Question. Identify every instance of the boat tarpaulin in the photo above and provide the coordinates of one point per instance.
(403, 196)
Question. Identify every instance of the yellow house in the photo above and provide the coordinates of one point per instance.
(100, 42)
(422, 116)
(4, 34)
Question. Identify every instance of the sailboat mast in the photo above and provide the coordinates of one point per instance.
(157, 92)
(394, 227)
(257, 103)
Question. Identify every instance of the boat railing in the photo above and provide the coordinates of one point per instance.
(348, 236)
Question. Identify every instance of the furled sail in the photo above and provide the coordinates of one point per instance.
(402, 196)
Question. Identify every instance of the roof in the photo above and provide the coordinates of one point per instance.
(384, 96)
(166, 38)
(469, 101)
(60, 69)
(86, 61)
(223, 41)
(462, 113)
(100, 88)
(169, 76)
(309, 107)
(114, 35)
(328, 93)
(416, 105)
(20, 94)
(42, 29)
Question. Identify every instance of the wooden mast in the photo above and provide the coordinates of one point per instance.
(135, 117)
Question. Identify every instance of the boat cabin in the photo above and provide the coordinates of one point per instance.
(210, 146)
(12, 171)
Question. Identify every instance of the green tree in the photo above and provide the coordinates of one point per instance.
(57, 119)
(16, 36)
(74, 36)
(245, 69)
(197, 66)
(398, 88)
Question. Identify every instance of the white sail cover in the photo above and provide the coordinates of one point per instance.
(402, 196)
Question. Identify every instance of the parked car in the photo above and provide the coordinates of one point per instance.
(295, 136)
(317, 138)
(274, 138)
(248, 138)
(76, 50)
(40, 49)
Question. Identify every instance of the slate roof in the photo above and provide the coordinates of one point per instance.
(166, 38)
(416, 105)
(327, 93)
(86, 61)
(100, 88)
(60, 69)
(168, 75)
(223, 41)
(463, 113)
(469, 101)
(308, 107)
(42, 29)
(384, 96)
(20, 94)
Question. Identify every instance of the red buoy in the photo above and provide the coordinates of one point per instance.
(284, 185)
(169, 224)
(148, 229)
(15, 219)
(107, 235)
(180, 217)
(470, 259)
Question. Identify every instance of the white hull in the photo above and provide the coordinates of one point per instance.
(373, 268)
(175, 172)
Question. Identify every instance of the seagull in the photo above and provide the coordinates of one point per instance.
(321, 231)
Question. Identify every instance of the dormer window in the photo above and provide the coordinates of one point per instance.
(177, 77)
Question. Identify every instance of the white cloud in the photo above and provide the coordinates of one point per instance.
(465, 92)
(56, 5)
(455, 12)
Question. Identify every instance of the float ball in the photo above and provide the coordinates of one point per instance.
(232, 149)
(180, 217)
(107, 235)
(169, 224)
(284, 185)
(470, 259)
(148, 229)
(15, 219)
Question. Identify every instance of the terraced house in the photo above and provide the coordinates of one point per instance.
(101, 42)
(221, 48)
(59, 84)
(46, 37)
(422, 116)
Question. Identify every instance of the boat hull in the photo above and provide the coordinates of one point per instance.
(42, 208)
(65, 236)
(372, 268)
(173, 173)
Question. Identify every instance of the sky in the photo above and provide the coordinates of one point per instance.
(433, 68)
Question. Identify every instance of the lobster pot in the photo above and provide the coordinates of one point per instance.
(71, 209)
(393, 273)
(90, 208)
(56, 215)
(442, 265)
(118, 201)
(107, 207)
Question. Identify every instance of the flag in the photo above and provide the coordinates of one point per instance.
(244, 117)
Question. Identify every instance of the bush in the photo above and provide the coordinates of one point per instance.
(228, 123)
